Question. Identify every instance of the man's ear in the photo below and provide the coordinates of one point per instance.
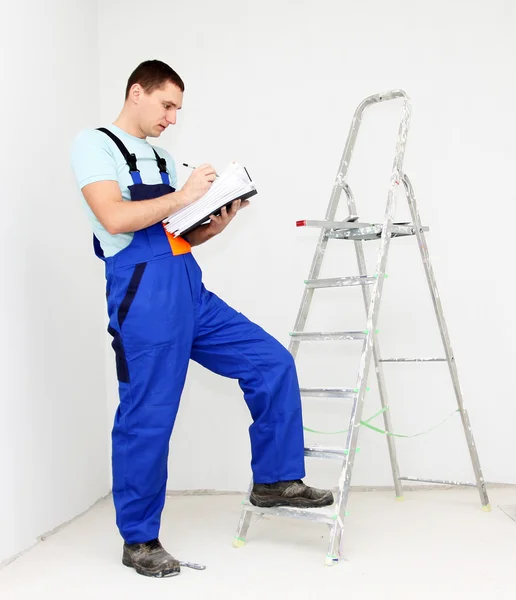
(135, 93)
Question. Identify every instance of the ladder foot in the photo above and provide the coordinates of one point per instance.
(331, 561)
(238, 542)
(400, 498)
(486, 508)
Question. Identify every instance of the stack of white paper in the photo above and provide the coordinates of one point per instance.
(233, 183)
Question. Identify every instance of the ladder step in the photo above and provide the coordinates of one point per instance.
(339, 282)
(326, 452)
(437, 481)
(395, 360)
(328, 392)
(331, 335)
(326, 514)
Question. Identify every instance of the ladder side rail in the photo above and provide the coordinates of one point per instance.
(446, 340)
(372, 319)
(382, 388)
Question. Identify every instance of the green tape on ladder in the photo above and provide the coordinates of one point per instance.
(383, 431)
(365, 423)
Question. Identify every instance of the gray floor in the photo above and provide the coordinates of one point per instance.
(436, 544)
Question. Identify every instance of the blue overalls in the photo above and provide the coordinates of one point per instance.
(160, 317)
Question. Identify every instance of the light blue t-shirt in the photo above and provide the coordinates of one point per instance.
(95, 157)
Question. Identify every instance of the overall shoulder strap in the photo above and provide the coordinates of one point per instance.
(129, 158)
(162, 163)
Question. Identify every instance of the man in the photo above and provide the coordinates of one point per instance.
(161, 316)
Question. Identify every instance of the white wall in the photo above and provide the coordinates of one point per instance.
(274, 85)
(54, 456)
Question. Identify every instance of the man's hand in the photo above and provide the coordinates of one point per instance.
(216, 225)
(198, 183)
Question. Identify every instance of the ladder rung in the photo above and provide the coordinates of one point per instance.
(331, 335)
(437, 481)
(328, 392)
(326, 514)
(325, 452)
(395, 360)
(339, 282)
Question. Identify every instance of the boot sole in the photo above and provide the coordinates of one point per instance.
(274, 501)
(148, 573)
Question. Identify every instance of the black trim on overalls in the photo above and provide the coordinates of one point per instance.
(122, 368)
(123, 310)
(130, 294)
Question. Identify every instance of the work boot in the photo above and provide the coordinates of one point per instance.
(150, 559)
(289, 493)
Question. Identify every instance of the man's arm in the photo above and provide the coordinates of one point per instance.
(119, 216)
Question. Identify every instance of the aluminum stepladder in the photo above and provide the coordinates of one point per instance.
(352, 229)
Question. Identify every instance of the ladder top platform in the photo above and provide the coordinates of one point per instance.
(350, 230)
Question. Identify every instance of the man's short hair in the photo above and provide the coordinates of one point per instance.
(153, 74)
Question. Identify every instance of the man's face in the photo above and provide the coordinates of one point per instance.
(158, 109)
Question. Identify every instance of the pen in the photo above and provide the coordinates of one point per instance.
(192, 167)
